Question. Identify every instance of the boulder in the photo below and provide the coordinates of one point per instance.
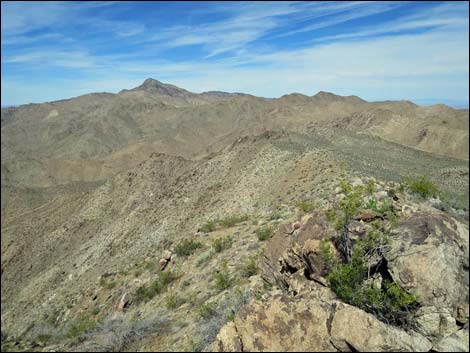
(429, 258)
(162, 264)
(124, 302)
(167, 255)
(353, 329)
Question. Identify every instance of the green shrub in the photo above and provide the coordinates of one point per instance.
(326, 253)
(220, 244)
(206, 310)
(264, 233)
(370, 187)
(389, 303)
(205, 257)
(273, 217)
(459, 201)
(223, 280)
(305, 206)
(172, 301)
(187, 247)
(422, 186)
(145, 293)
(249, 268)
(208, 227)
(78, 327)
(233, 220)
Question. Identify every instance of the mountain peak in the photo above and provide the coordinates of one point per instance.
(156, 87)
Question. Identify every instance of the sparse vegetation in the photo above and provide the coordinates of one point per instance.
(249, 268)
(78, 327)
(264, 233)
(205, 257)
(305, 206)
(232, 220)
(421, 186)
(206, 310)
(223, 280)
(220, 244)
(172, 301)
(208, 227)
(147, 292)
(187, 247)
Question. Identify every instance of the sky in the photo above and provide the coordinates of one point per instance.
(376, 50)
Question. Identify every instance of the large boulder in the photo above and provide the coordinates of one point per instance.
(429, 258)
(286, 323)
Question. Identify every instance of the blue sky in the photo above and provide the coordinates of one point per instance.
(376, 50)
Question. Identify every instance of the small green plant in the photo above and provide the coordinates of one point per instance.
(370, 187)
(187, 247)
(422, 186)
(223, 280)
(326, 253)
(145, 293)
(220, 244)
(78, 327)
(206, 310)
(231, 316)
(205, 257)
(233, 220)
(306, 206)
(273, 216)
(264, 233)
(172, 301)
(249, 268)
(208, 227)
(149, 265)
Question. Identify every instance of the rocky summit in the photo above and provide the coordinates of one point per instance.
(158, 219)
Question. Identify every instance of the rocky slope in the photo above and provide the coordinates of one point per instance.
(142, 221)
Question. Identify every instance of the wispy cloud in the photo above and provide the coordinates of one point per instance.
(377, 50)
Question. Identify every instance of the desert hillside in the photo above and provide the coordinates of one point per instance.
(161, 219)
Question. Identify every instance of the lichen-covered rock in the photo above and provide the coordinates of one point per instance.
(353, 329)
(429, 258)
(283, 324)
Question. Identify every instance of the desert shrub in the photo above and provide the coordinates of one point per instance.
(372, 205)
(273, 217)
(187, 247)
(326, 252)
(459, 201)
(421, 186)
(172, 301)
(223, 280)
(305, 206)
(264, 233)
(206, 310)
(147, 292)
(389, 303)
(205, 257)
(370, 187)
(78, 327)
(249, 268)
(233, 220)
(208, 227)
(220, 244)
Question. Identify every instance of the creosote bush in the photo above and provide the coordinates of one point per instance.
(187, 247)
